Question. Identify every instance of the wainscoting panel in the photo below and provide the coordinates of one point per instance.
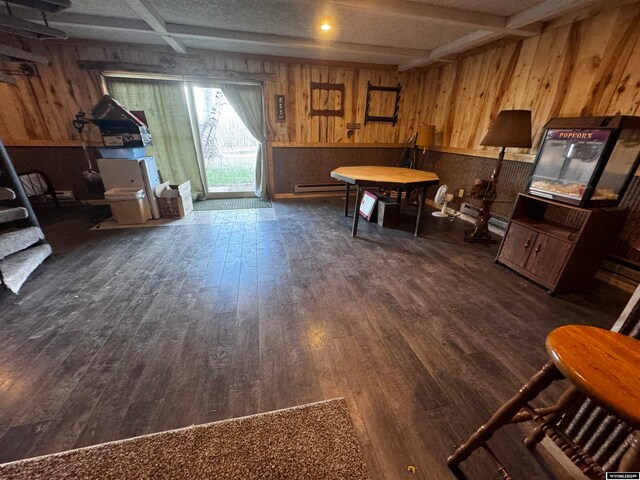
(293, 165)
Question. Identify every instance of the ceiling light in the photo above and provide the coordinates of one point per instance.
(325, 26)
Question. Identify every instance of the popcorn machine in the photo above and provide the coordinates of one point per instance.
(586, 161)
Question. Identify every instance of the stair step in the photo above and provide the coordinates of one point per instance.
(17, 240)
(7, 194)
(17, 267)
(11, 214)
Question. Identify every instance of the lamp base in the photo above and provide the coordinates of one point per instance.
(480, 232)
(472, 236)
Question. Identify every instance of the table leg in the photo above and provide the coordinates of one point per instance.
(356, 212)
(420, 205)
(346, 200)
(399, 197)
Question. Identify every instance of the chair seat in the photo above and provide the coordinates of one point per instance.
(603, 364)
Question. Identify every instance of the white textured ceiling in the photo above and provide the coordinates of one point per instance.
(302, 18)
(292, 19)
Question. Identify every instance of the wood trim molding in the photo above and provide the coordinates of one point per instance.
(178, 74)
(233, 55)
(515, 157)
(335, 145)
(47, 143)
(281, 196)
(270, 176)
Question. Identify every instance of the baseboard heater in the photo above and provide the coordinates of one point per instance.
(473, 211)
(318, 187)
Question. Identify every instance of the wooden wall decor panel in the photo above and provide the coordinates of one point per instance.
(327, 99)
(382, 104)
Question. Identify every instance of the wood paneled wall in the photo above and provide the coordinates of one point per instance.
(589, 67)
(40, 109)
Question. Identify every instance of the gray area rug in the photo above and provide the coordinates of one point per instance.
(315, 441)
(231, 204)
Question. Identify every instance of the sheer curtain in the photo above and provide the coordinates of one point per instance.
(246, 100)
(165, 106)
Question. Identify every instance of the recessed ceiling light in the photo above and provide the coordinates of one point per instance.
(325, 26)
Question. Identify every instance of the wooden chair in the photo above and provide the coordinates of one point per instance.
(602, 365)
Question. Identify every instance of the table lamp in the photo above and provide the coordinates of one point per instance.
(426, 137)
(512, 128)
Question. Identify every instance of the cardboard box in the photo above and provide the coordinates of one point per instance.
(175, 200)
(388, 212)
(136, 137)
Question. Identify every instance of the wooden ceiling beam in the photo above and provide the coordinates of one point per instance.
(50, 6)
(438, 14)
(26, 28)
(7, 79)
(177, 31)
(150, 15)
(17, 54)
(538, 13)
(546, 11)
(461, 44)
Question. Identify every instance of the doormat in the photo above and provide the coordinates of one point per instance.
(309, 441)
(231, 204)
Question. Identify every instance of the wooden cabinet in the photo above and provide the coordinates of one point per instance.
(547, 257)
(558, 246)
(516, 246)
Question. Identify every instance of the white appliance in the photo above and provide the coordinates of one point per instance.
(132, 173)
(442, 198)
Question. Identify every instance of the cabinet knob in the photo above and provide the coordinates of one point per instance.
(528, 244)
(538, 248)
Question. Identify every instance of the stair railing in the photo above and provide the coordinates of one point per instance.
(6, 167)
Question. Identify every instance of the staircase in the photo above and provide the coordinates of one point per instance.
(22, 243)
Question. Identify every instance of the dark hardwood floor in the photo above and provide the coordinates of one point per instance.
(127, 332)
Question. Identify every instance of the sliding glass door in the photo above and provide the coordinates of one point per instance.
(228, 148)
(210, 134)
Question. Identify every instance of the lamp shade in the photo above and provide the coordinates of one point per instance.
(512, 128)
(426, 136)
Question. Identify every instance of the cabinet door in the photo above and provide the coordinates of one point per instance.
(518, 244)
(548, 257)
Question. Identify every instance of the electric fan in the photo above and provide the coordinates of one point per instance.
(442, 198)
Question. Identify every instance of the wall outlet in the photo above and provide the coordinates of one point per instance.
(461, 193)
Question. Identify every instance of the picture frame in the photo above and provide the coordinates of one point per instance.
(368, 205)
(327, 87)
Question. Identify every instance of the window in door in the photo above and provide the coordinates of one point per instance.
(229, 151)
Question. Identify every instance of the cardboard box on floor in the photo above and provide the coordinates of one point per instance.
(175, 200)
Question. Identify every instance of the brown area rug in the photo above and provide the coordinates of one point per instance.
(315, 441)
